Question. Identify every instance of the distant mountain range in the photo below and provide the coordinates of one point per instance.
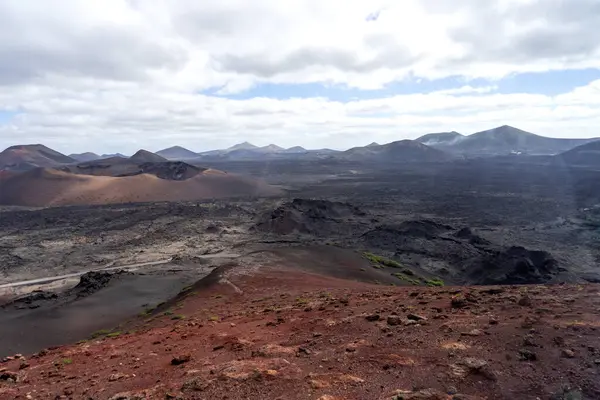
(89, 156)
(500, 141)
(504, 140)
(402, 151)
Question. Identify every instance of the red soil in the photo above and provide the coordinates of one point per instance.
(48, 187)
(281, 334)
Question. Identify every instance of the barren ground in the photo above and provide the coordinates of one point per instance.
(284, 315)
(276, 333)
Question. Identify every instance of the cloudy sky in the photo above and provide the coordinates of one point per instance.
(119, 75)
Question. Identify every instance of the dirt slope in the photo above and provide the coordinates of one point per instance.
(47, 187)
(277, 334)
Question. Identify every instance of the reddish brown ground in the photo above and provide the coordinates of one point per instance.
(291, 335)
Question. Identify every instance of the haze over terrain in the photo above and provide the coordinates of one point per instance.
(316, 200)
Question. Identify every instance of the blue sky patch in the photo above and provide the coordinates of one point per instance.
(546, 83)
(6, 116)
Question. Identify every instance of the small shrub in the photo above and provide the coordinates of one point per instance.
(66, 361)
(101, 332)
(113, 334)
(214, 318)
(382, 261)
(405, 278)
(177, 317)
(435, 282)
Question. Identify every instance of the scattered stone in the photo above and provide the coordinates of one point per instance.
(424, 394)
(318, 384)
(559, 341)
(458, 302)
(474, 363)
(527, 355)
(474, 332)
(373, 317)
(568, 353)
(416, 317)
(178, 360)
(528, 322)
(8, 376)
(451, 390)
(524, 301)
(304, 350)
(196, 384)
(129, 396)
(394, 320)
(471, 365)
(410, 322)
(116, 377)
(529, 341)
(493, 321)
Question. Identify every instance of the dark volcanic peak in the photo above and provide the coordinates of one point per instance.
(509, 140)
(177, 153)
(119, 155)
(242, 146)
(27, 156)
(41, 150)
(143, 156)
(295, 149)
(586, 154)
(440, 139)
(400, 151)
(87, 156)
(373, 144)
(271, 148)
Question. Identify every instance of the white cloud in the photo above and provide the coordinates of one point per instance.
(129, 116)
(122, 74)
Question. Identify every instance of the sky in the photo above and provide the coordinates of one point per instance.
(120, 75)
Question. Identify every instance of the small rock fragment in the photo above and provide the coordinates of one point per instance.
(474, 332)
(181, 359)
(394, 320)
(527, 355)
(373, 317)
(524, 301)
(8, 376)
(304, 350)
(416, 317)
(567, 353)
(195, 384)
(116, 377)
